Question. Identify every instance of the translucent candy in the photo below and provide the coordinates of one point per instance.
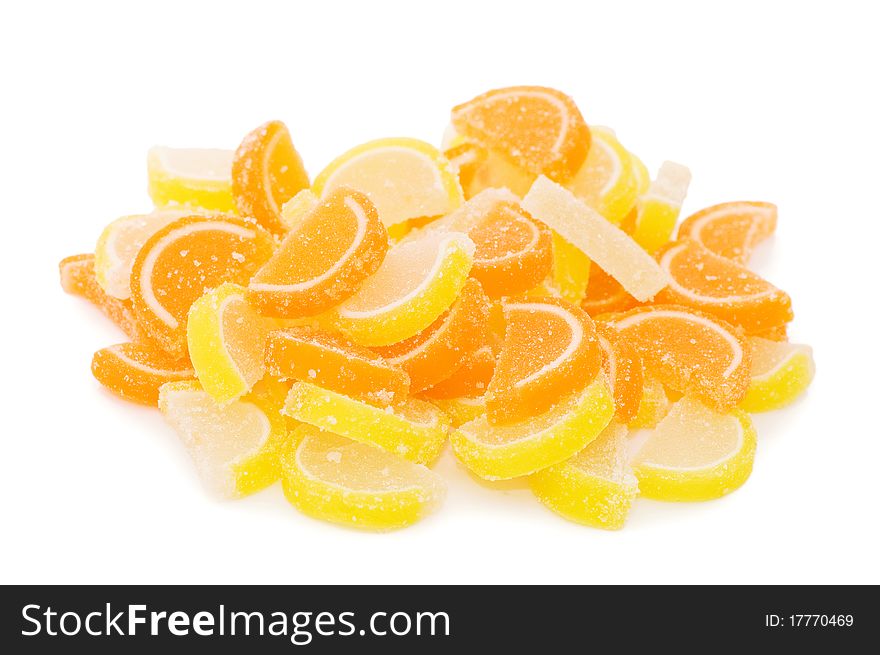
(513, 251)
(438, 351)
(226, 339)
(336, 363)
(510, 451)
(658, 209)
(719, 286)
(605, 295)
(731, 229)
(781, 372)
(690, 352)
(120, 243)
(404, 178)
(623, 368)
(466, 158)
(335, 479)
(77, 274)
(653, 406)
(550, 350)
(335, 334)
(267, 171)
(415, 430)
(696, 454)
(606, 181)
(298, 207)
(571, 270)
(461, 410)
(323, 260)
(135, 371)
(418, 281)
(194, 177)
(596, 487)
(471, 379)
(236, 447)
(185, 258)
(604, 243)
(540, 130)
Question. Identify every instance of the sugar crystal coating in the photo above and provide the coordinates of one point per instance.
(519, 291)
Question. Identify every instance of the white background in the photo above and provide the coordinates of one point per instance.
(769, 100)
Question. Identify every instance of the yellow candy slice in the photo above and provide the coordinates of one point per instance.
(197, 177)
(640, 174)
(415, 430)
(226, 339)
(653, 407)
(504, 452)
(461, 410)
(658, 209)
(607, 245)
(606, 180)
(696, 454)
(335, 479)
(418, 280)
(405, 178)
(236, 447)
(571, 270)
(781, 372)
(596, 487)
(297, 207)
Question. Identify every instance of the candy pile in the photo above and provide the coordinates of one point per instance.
(518, 292)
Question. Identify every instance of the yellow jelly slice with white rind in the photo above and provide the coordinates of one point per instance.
(510, 451)
(418, 280)
(641, 174)
(605, 244)
(571, 270)
(461, 410)
(226, 339)
(781, 372)
(606, 180)
(653, 406)
(659, 207)
(596, 487)
(120, 243)
(236, 447)
(696, 454)
(295, 209)
(405, 178)
(415, 430)
(335, 479)
(196, 177)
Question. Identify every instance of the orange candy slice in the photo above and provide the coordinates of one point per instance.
(700, 279)
(779, 333)
(731, 229)
(470, 380)
(513, 251)
(550, 351)
(135, 371)
(436, 352)
(538, 129)
(333, 362)
(323, 259)
(690, 352)
(605, 295)
(623, 368)
(78, 279)
(183, 260)
(267, 171)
